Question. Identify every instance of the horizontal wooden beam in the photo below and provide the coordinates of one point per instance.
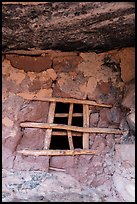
(56, 152)
(63, 133)
(69, 127)
(71, 100)
(62, 115)
(56, 169)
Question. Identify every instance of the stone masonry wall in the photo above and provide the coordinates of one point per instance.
(100, 77)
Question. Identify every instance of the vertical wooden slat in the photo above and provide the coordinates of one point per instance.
(69, 123)
(50, 120)
(85, 124)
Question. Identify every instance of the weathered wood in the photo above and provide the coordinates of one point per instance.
(50, 120)
(63, 133)
(63, 115)
(69, 123)
(81, 26)
(85, 124)
(72, 128)
(71, 100)
(56, 152)
(56, 169)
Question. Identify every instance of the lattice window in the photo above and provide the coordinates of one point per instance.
(67, 128)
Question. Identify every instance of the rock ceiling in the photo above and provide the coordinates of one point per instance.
(67, 26)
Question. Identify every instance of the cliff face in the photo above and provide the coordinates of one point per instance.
(68, 26)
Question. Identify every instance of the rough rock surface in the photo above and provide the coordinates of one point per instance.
(45, 187)
(68, 26)
(24, 110)
(129, 103)
(129, 97)
(124, 176)
(131, 120)
(127, 65)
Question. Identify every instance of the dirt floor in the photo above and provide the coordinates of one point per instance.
(22, 186)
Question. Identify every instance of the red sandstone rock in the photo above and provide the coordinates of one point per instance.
(110, 140)
(10, 139)
(104, 87)
(114, 115)
(129, 98)
(105, 92)
(103, 120)
(57, 92)
(31, 163)
(99, 143)
(92, 138)
(52, 74)
(94, 117)
(29, 63)
(35, 111)
(35, 85)
(32, 138)
(127, 64)
(63, 162)
(8, 86)
(71, 87)
(66, 64)
(131, 120)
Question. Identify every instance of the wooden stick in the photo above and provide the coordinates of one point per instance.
(72, 128)
(85, 124)
(70, 100)
(56, 169)
(63, 133)
(69, 123)
(50, 120)
(62, 115)
(56, 152)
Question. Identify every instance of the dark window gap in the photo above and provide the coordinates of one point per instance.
(78, 108)
(59, 120)
(77, 121)
(59, 142)
(77, 142)
(62, 107)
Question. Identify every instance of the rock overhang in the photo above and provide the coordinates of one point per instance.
(68, 26)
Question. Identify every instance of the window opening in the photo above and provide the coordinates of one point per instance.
(78, 108)
(67, 127)
(61, 120)
(62, 107)
(77, 142)
(59, 142)
(61, 117)
(77, 121)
